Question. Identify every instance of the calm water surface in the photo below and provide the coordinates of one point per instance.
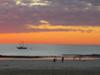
(42, 50)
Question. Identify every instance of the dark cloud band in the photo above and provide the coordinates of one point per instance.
(14, 16)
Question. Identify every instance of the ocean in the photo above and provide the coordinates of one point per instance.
(46, 49)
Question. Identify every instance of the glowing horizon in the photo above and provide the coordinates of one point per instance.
(52, 38)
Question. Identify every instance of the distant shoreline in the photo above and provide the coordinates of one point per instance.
(66, 56)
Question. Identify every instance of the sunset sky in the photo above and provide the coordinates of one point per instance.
(50, 21)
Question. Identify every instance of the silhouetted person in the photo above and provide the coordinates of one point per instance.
(80, 57)
(74, 58)
(62, 59)
(54, 59)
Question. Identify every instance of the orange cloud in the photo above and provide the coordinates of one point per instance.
(65, 28)
(44, 22)
(45, 25)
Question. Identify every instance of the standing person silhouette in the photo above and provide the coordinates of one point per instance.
(54, 59)
(62, 59)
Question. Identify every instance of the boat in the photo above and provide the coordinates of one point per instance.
(22, 46)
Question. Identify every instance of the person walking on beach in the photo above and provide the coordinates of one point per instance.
(62, 59)
(54, 59)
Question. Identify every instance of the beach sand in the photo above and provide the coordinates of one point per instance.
(48, 67)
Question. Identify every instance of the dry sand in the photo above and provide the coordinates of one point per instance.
(48, 67)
